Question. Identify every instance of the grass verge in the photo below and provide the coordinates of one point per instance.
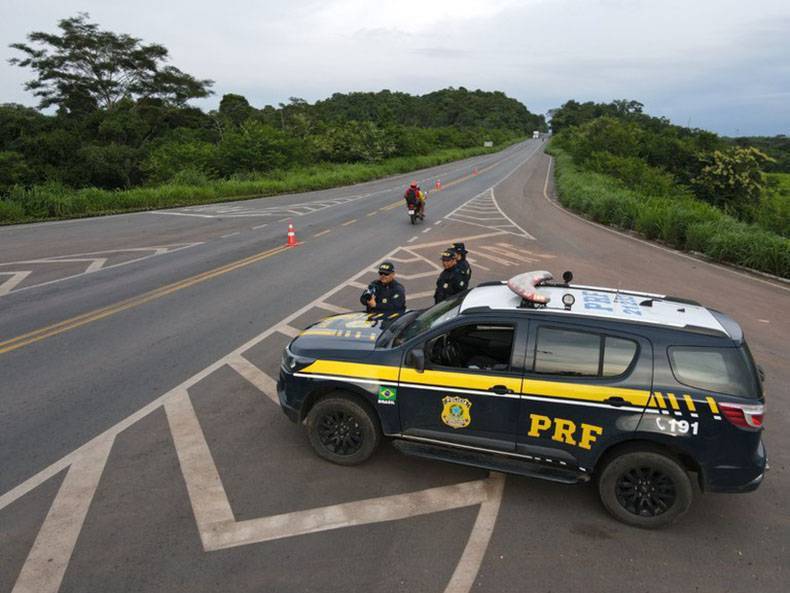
(680, 221)
(54, 201)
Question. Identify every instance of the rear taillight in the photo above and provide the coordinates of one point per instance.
(743, 415)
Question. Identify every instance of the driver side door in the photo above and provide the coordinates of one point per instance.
(468, 391)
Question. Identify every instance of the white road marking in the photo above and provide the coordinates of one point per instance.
(216, 517)
(332, 308)
(414, 238)
(477, 264)
(97, 263)
(230, 235)
(16, 277)
(288, 330)
(266, 384)
(420, 295)
(260, 226)
(48, 558)
(426, 230)
(466, 570)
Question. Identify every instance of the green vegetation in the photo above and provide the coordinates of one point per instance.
(123, 136)
(688, 188)
(54, 200)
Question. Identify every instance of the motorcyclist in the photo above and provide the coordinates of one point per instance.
(415, 199)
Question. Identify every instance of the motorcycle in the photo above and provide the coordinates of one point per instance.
(416, 211)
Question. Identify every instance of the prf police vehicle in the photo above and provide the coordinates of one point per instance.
(543, 379)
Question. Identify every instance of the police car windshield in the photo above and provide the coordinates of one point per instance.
(430, 318)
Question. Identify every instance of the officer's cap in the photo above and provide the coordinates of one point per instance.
(448, 255)
(386, 268)
(460, 248)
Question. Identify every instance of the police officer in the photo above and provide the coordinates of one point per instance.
(451, 281)
(385, 295)
(462, 265)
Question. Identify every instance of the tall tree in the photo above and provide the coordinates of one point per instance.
(83, 68)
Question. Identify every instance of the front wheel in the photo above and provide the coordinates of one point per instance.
(413, 218)
(645, 489)
(342, 430)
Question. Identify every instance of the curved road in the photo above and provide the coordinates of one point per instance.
(139, 449)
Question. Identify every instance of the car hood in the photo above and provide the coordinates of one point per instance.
(348, 331)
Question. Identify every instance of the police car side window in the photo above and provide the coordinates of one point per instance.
(723, 370)
(475, 347)
(570, 353)
(618, 355)
(580, 354)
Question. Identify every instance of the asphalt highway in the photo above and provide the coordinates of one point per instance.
(137, 452)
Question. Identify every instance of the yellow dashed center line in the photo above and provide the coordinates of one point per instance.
(95, 315)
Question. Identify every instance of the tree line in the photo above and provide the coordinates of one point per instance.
(122, 119)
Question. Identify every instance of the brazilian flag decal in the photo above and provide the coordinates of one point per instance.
(387, 395)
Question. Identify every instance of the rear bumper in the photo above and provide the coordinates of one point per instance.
(736, 479)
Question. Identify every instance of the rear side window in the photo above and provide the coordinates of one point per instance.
(723, 370)
(582, 354)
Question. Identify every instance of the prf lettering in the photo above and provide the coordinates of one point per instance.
(565, 431)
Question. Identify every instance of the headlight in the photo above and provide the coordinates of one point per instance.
(292, 363)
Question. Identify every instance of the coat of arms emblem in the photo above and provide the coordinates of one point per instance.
(455, 412)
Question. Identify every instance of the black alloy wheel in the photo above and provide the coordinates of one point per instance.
(645, 487)
(343, 429)
(645, 491)
(340, 432)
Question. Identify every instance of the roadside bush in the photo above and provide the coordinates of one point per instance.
(684, 223)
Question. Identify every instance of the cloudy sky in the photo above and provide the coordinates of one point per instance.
(723, 65)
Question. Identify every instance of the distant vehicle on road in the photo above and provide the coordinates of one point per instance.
(545, 379)
(535, 135)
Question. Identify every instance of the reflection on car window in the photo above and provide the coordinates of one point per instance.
(724, 370)
(431, 318)
(578, 354)
(562, 352)
(617, 356)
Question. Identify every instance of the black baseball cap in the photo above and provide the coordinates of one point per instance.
(448, 254)
(386, 268)
(459, 248)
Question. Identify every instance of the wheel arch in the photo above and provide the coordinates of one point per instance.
(640, 443)
(347, 389)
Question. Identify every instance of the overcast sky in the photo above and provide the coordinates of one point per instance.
(722, 65)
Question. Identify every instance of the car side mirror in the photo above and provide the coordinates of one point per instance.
(416, 360)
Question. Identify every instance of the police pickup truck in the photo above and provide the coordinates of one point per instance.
(543, 379)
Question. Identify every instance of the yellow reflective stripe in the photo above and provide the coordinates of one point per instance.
(352, 369)
(673, 401)
(319, 332)
(689, 402)
(459, 380)
(594, 393)
(712, 403)
(660, 400)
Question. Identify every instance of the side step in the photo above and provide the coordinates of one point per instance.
(490, 461)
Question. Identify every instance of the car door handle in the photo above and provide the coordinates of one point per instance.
(615, 400)
(500, 389)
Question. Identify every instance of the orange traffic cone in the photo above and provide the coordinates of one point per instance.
(438, 185)
(292, 242)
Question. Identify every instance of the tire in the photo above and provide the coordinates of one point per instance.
(645, 489)
(342, 430)
(413, 218)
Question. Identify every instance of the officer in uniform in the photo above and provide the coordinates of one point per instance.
(462, 265)
(451, 281)
(385, 295)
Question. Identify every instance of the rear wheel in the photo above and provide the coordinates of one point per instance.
(342, 430)
(645, 488)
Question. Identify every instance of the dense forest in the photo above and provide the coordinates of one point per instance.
(122, 119)
(688, 187)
